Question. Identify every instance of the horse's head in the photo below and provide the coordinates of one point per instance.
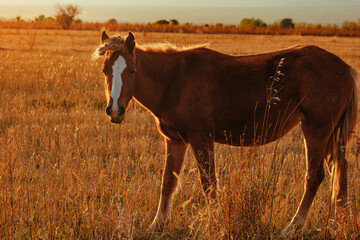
(119, 70)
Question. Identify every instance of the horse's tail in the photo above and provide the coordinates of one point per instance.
(340, 137)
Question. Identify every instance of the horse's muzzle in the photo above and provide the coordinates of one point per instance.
(116, 116)
(117, 120)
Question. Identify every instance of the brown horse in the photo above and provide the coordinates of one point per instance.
(199, 96)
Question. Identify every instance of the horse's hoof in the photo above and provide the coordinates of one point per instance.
(291, 230)
(156, 227)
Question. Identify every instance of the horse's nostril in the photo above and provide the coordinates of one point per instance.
(121, 110)
(108, 110)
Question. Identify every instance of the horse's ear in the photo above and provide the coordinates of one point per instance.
(104, 37)
(130, 42)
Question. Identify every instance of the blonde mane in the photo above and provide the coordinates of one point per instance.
(168, 47)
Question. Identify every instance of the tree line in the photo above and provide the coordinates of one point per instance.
(66, 18)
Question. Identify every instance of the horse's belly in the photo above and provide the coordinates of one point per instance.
(254, 135)
(230, 137)
(234, 138)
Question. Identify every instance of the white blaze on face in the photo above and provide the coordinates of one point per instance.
(118, 68)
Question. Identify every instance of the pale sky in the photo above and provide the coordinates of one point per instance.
(193, 11)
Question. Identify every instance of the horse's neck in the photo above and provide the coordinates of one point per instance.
(151, 79)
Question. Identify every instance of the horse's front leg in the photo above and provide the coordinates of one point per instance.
(203, 148)
(175, 153)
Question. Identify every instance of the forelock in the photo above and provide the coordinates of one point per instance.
(110, 45)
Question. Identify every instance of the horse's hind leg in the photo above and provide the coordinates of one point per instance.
(175, 153)
(315, 143)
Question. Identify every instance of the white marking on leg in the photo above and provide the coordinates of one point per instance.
(118, 67)
(163, 211)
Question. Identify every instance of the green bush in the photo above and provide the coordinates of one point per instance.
(287, 23)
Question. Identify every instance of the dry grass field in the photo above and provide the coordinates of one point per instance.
(66, 172)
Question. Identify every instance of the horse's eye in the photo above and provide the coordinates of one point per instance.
(133, 71)
(103, 71)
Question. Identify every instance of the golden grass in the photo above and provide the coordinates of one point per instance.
(66, 172)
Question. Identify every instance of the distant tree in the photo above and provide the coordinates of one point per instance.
(43, 18)
(259, 23)
(247, 22)
(345, 25)
(173, 22)
(18, 18)
(162, 22)
(50, 19)
(219, 25)
(318, 26)
(65, 15)
(40, 18)
(78, 21)
(352, 25)
(252, 22)
(112, 21)
(287, 23)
